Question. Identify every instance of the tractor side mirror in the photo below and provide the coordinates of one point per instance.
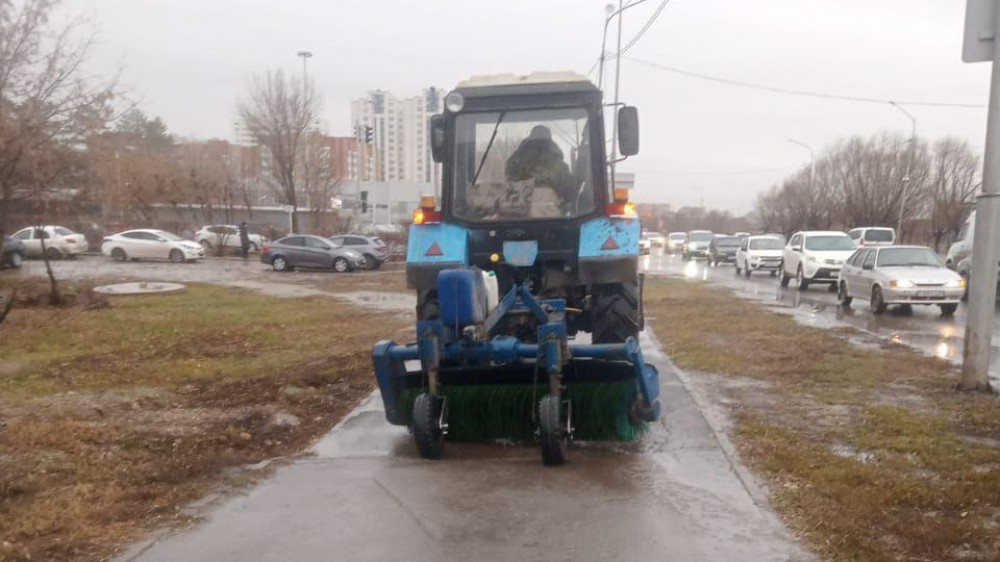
(628, 130)
(437, 138)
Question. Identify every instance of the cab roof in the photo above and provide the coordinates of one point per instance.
(533, 83)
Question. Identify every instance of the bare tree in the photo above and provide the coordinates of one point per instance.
(955, 179)
(48, 105)
(319, 182)
(278, 112)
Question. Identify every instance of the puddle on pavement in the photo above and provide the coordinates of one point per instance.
(381, 301)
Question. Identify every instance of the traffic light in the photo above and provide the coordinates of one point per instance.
(369, 135)
(364, 202)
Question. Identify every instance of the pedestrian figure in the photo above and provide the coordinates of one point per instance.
(244, 239)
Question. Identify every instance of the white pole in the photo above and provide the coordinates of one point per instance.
(986, 243)
(618, 72)
(909, 165)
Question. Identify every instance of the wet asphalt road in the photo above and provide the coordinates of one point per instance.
(364, 494)
(921, 327)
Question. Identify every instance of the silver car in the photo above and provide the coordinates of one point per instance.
(905, 275)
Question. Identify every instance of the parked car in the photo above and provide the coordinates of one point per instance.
(226, 236)
(900, 275)
(696, 244)
(657, 240)
(306, 250)
(815, 256)
(722, 249)
(13, 252)
(60, 242)
(373, 249)
(872, 236)
(644, 243)
(675, 242)
(151, 244)
(961, 248)
(759, 253)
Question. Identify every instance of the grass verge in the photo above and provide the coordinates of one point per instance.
(870, 453)
(112, 418)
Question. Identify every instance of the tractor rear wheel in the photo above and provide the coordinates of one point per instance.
(427, 426)
(552, 432)
(616, 313)
(427, 305)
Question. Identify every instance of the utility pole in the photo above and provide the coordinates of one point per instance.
(909, 165)
(982, 25)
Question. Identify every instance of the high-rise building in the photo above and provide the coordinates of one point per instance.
(399, 129)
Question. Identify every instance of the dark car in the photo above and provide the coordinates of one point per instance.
(722, 249)
(306, 250)
(964, 268)
(374, 250)
(13, 252)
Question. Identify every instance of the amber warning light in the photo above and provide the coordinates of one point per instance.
(621, 207)
(426, 212)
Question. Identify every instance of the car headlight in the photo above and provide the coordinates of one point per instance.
(955, 284)
(812, 259)
(901, 284)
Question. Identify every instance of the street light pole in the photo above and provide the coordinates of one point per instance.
(306, 55)
(812, 159)
(611, 13)
(909, 165)
(982, 289)
(618, 73)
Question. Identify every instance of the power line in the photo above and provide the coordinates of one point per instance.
(789, 91)
(645, 27)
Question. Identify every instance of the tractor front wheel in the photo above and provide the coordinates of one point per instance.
(616, 313)
(552, 431)
(428, 430)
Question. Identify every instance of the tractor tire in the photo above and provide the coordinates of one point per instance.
(616, 313)
(551, 431)
(427, 305)
(427, 430)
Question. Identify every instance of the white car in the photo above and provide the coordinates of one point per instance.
(759, 253)
(657, 240)
(59, 242)
(899, 275)
(644, 244)
(227, 236)
(815, 256)
(872, 236)
(961, 248)
(675, 242)
(145, 244)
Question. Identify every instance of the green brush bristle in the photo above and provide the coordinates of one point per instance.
(484, 412)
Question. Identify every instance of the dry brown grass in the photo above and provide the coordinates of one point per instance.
(114, 418)
(871, 454)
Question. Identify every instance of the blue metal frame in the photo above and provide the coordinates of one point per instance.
(437, 342)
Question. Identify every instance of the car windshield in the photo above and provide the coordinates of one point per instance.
(169, 236)
(766, 244)
(917, 257)
(727, 242)
(700, 237)
(833, 243)
(336, 242)
(879, 235)
(523, 165)
(678, 236)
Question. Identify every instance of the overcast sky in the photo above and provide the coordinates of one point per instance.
(190, 60)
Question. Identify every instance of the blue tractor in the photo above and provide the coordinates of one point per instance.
(528, 248)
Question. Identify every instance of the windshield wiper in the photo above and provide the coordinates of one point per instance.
(489, 145)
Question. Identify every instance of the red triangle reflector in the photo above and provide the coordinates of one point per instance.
(435, 250)
(610, 244)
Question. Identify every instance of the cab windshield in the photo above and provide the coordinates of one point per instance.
(829, 243)
(523, 165)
